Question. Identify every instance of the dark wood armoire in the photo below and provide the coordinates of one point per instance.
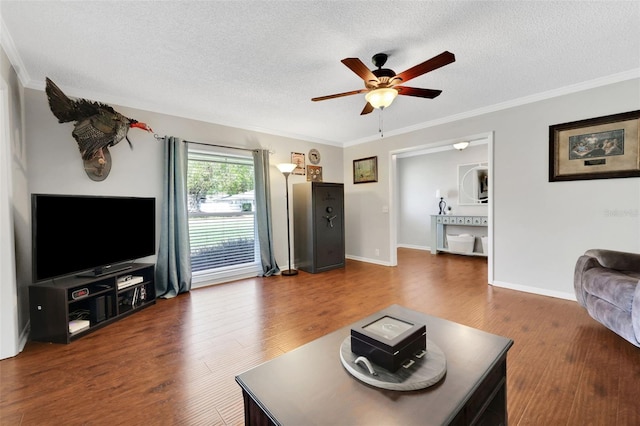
(318, 226)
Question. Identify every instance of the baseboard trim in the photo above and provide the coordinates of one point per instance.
(411, 246)
(365, 259)
(24, 336)
(535, 290)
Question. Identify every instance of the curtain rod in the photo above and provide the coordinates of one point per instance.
(212, 144)
(222, 146)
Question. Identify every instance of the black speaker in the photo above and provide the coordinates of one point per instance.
(109, 306)
(98, 310)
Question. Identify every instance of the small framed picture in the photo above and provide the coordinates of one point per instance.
(314, 173)
(595, 148)
(297, 158)
(365, 170)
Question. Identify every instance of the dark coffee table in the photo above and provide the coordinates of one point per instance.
(309, 385)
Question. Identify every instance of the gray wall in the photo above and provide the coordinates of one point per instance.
(55, 165)
(539, 227)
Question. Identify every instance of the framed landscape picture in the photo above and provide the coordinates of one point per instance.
(365, 170)
(596, 148)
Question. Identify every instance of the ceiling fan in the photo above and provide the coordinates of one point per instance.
(382, 85)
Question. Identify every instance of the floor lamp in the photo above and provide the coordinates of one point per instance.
(286, 169)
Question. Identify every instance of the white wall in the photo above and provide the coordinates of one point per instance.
(418, 178)
(540, 227)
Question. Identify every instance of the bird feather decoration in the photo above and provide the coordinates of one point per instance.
(97, 125)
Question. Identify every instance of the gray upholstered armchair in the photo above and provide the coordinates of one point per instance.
(607, 284)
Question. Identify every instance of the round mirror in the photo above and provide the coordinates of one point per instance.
(473, 184)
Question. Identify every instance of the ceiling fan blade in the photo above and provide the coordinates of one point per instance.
(338, 95)
(445, 58)
(356, 65)
(367, 109)
(420, 93)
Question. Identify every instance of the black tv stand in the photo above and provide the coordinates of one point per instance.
(104, 270)
(56, 306)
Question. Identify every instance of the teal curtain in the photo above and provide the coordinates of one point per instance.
(263, 212)
(173, 267)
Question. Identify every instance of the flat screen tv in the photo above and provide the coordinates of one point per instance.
(90, 235)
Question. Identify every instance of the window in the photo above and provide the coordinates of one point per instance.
(222, 226)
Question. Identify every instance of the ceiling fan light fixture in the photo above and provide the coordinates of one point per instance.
(460, 145)
(381, 98)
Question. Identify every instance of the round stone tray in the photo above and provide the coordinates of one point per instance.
(424, 372)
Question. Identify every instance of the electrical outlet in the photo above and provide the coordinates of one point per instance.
(377, 252)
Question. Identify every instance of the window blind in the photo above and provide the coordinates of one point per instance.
(222, 229)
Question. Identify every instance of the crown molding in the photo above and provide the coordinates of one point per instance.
(6, 41)
(567, 90)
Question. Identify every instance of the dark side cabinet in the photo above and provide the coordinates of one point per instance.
(318, 217)
(54, 304)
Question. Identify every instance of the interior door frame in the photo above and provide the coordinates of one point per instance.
(428, 149)
(9, 335)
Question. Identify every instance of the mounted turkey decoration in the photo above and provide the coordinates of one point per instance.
(97, 127)
(382, 85)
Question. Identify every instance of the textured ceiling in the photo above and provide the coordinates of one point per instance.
(257, 64)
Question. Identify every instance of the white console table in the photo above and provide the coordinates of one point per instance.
(473, 225)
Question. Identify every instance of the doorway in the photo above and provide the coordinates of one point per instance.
(423, 209)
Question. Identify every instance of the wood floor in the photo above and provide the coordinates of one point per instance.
(175, 362)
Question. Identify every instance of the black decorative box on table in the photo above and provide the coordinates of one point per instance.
(387, 340)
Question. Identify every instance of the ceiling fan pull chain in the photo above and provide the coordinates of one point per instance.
(381, 123)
